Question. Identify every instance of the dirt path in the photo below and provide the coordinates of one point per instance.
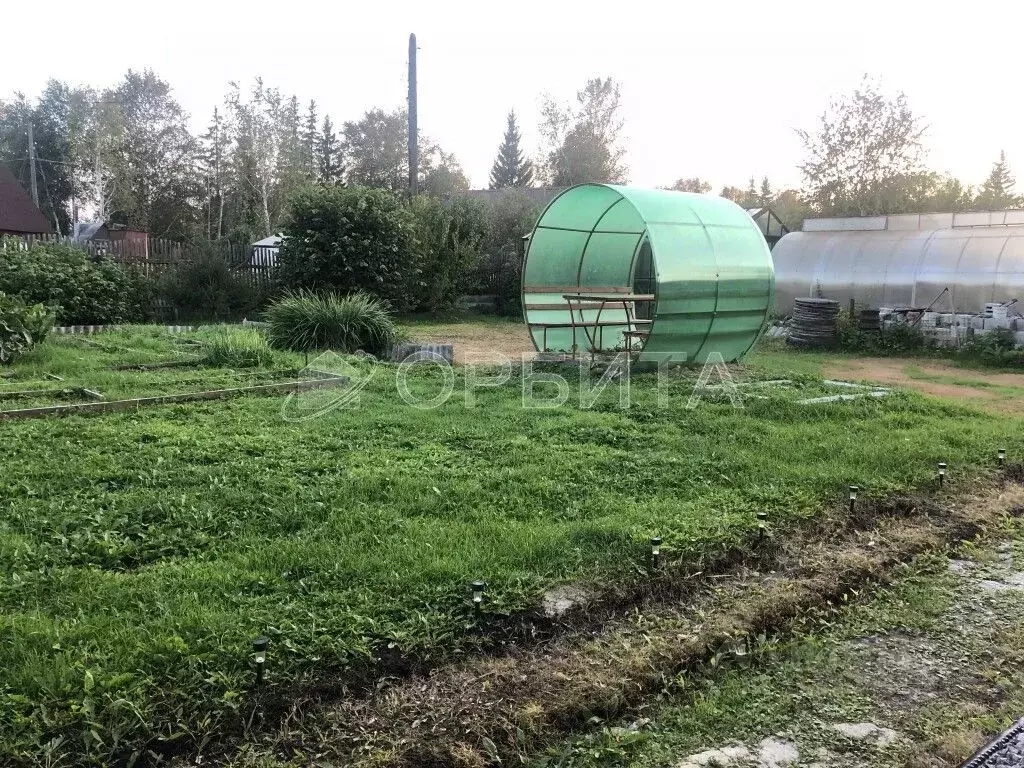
(990, 391)
(495, 342)
(482, 343)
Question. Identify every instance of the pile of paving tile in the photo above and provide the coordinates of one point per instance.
(814, 323)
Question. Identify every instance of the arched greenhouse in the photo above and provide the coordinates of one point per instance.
(905, 261)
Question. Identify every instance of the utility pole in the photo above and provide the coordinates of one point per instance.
(414, 154)
(32, 164)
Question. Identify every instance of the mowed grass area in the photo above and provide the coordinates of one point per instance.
(75, 362)
(141, 553)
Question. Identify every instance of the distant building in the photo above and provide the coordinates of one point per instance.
(264, 252)
(129, 244)
(769, 223)
(18, 214)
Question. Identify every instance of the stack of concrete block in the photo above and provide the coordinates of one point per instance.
(951, 329)
(996, 316)
(996, 311)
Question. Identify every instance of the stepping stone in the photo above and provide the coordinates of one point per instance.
(867, 732)
(776, 753)
(717, 758)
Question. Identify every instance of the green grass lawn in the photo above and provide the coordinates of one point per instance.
(72, 363)
(140, 553)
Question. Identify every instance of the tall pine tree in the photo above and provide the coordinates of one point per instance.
(329, 155)
(765, 197)
(511, 168)
(311, 142)
(750, 199)
(216, 143)
(997, 191)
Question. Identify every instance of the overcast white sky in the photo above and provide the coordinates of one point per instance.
(711, 89)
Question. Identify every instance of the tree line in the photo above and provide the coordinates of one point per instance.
(866, 157)
(126, 153)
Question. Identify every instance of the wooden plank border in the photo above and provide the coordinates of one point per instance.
(186, 397)
(89, 330)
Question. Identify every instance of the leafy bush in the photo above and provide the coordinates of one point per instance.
(996, 347)
(22, 326)
(348, 239)
(895, 339)
(209, 289)
(500, 270)
(85, 292)
(305, 322)
(449, 243)
(238, 348)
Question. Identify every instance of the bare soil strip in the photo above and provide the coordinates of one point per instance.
(609, 658)
(887, 370)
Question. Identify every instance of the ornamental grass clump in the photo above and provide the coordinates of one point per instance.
(238, 348)
(306, 322)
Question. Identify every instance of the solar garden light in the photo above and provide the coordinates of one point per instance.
(740, 651)
(1002, 458)
(853, 496)
(942, 473)
(478, 588)
(655, 550)
(762, 524)
(259, 645)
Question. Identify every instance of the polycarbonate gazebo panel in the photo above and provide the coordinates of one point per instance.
(712, 273)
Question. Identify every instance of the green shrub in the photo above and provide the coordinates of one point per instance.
(306, 322)
(449, 244)
(84, 292)
(209, 289)
(895, 339)
(348, 239)
(22, 326)
(996, 347)
(500, 271)
(238, 348)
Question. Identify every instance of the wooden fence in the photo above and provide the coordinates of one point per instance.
(155, 255)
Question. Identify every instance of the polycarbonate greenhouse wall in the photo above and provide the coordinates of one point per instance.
(713, 280)
(892, 267)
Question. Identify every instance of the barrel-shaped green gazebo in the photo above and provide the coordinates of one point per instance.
(669, 276)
